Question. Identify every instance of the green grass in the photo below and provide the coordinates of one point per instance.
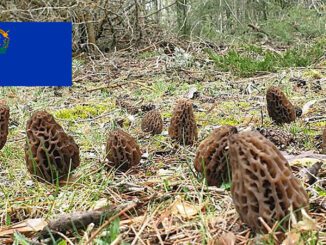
(160, 179)
(253, 59)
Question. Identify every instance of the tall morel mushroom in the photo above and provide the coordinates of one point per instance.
(183, 126)
(4, 122)
(262, 181)
(212, 158)
(50, 153)
(152, 122)
(122, 150)
(279, 107)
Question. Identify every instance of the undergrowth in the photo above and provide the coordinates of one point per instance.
(253, 59)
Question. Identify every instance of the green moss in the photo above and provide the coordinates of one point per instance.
(228, 121)
(80, 112)
(313, 74)
(244, 104)
(319, 124)
(166, 114)
(253, 59)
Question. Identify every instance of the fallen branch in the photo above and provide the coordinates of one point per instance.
(81, 220)
(106, 223)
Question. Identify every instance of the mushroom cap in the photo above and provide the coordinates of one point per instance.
(122, 150)
(279, 108)
(212, 157)
(4, 123)
(50, 153)
(152, 122)
(262, 181)
(183, 126)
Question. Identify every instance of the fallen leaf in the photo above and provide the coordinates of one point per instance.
(101, 203)
(292, 238)
(306, 224)
(184, 209)
(29, 225)
(307, 154)
(306, 107)
(191, 92)
(306, 161)
(226, 239)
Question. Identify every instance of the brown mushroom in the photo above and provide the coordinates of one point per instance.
(4, 122)
(279, 107)
(212, 158)
(183, 126)
(50, 153)
(152, 122)
(262, 182)
(122, 150)
(130, 108)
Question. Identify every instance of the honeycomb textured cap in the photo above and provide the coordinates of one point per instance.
(212, 158)
(50, 153)
(279, 107)
(324, 142)
(262, 181)
(152, 122)
(4, 122)
(183, 126)
(122, 150)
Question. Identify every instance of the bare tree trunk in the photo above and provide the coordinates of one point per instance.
(182, 7)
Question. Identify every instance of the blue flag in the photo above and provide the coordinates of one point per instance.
(35, 54)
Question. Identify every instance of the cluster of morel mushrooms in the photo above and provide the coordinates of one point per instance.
(263, 185)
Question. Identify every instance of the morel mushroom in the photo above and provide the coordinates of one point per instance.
(280, 138)
(4, 122)
(122, 150)
(152, 122)
(262, 181)
(323, 146)
(212, 158)
(183, 126)
(50, 153)
(279, 107)
(130, 108)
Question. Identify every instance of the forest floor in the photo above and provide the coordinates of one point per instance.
(169, 203)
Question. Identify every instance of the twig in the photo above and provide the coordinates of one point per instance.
(106, 223)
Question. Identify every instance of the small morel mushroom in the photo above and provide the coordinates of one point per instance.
(152, 122)
(130, 108)
(4, 122)
(212, 158)
(282, 139)
(183, 126)
(323, 146)
(279, 107)
(50, 153)
(262, 182)
(122, 150)
(147, 107)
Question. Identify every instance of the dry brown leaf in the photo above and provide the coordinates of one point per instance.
(101, 203)
(306, 107)
(306, 224)
(292, 238)
(226, 239)
(29, 225)
(184, 209)
(306, 154)
(306, 161)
